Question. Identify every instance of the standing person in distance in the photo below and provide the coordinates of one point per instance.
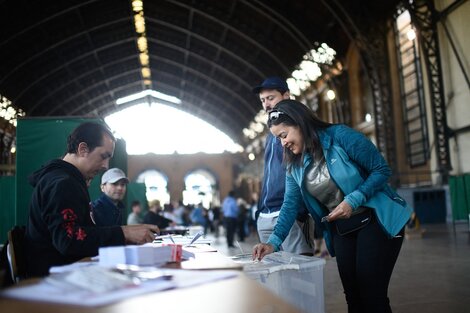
(134, 217)
(300, 238)
(59, 229)
(108, 209)
(230, 210)
(154, 216)
(342, 178)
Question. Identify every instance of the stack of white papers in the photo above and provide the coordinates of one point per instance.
(145, 255)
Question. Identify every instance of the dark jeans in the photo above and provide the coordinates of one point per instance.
(230, 227)
(365, 261)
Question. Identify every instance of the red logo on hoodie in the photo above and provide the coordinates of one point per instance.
(70, 217)
(81, 234)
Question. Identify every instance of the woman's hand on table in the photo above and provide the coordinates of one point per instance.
(261, 250)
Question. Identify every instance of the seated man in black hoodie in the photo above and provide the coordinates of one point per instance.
(59, 230)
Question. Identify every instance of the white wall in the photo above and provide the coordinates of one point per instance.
(456, 89)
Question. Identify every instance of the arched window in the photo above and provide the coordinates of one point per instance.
(200, 186)
(156, 184)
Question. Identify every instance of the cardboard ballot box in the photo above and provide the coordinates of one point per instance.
(295, 278)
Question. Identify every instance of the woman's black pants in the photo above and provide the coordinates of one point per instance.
(366, 259)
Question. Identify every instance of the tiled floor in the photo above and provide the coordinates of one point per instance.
(432, 274)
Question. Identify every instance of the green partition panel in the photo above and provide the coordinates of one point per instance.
(7, 205)
(38, 141)
(459, 187)
(466, 180)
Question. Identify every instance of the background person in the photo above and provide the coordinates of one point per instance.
(215, 219)
(108, 209)
(199, 217)
(230, 210)
(134, 217)
(59, 229)
(178, 211)
(341, 176)
(300, 238)
(155, 216)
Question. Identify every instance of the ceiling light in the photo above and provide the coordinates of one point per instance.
(142, 44)
(146, 72)
(144, 59)
(331, 94)
(139, 23)
(411, 34)
(8, 112)
(293, 86)
(311, 70)
(308, 70)
(137, 5)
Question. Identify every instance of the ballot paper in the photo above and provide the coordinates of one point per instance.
(94, 279)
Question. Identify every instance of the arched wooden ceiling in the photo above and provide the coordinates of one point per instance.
(76, 57)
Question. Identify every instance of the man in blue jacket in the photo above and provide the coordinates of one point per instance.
(300, 238)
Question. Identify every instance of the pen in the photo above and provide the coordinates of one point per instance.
(196, 237)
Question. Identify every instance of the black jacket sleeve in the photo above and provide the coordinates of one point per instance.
(66, 211)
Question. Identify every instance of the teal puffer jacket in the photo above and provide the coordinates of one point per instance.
(359, 171)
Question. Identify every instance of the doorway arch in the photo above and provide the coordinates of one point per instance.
(156, 185)
(201, 186)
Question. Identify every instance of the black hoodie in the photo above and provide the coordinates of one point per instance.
(59, 229)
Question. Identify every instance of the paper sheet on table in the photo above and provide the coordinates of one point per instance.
(46, 292)
(197, 248)
(189, 278)
(181, 240)
(71, 267)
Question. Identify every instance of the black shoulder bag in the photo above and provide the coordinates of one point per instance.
(355, 222)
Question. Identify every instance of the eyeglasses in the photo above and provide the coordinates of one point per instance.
(274, 115)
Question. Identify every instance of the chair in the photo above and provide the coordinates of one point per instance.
(15, 253)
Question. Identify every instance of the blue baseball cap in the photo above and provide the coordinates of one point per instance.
(272, 83)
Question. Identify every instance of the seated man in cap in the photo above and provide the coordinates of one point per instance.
(108, 209)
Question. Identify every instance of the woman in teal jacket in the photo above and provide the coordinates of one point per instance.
(342, 178)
